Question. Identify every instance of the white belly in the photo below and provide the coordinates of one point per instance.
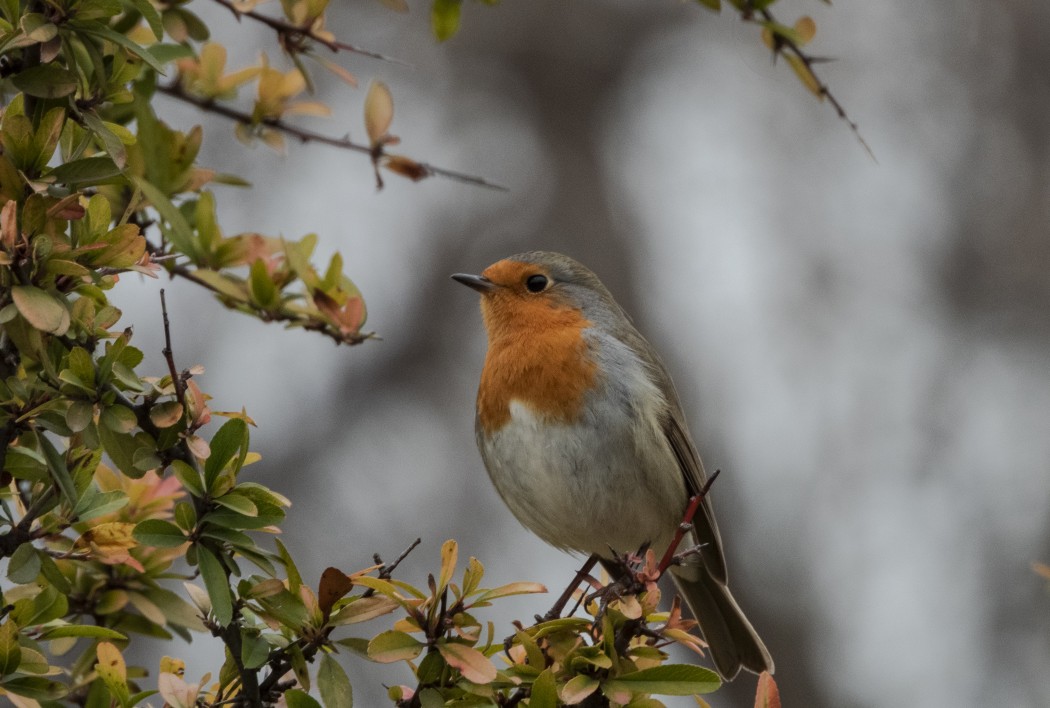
(587, 486)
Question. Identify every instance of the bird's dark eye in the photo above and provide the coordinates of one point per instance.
(536, 283)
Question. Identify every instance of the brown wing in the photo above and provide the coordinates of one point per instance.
(704, 522)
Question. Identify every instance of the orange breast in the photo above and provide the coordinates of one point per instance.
(537, 355)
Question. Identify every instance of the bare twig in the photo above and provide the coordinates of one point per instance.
(297, 34)
(176, 378)
(387, 571)
(582, 574)
(309, 136)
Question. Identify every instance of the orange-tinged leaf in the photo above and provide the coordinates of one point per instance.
(167, 414)
(176, 691)
(364, 609)
(8, 224)
(1041, 569)
(334, 586)
(406, 167)
(806, 29)
(379, 112)
(520, 588)
(339, 71)
(767, 695)
(474, 665)
(41, 309)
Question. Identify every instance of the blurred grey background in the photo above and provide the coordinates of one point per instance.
(862, 346)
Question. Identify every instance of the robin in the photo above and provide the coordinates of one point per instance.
(582, 433)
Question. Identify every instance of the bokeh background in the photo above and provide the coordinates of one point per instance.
(862, 346)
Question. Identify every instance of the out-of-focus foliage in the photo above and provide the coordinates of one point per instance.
(121, 514)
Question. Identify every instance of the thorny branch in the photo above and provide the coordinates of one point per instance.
(309, 136)
(288, 32)
(781, 42)
(175, 269)
(176, 379)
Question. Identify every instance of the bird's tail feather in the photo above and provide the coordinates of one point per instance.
(732, 641)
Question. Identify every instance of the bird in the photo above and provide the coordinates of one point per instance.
(583, 436)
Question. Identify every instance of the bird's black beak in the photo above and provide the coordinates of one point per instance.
(477, 282)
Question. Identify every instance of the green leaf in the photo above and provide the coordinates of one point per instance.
(159, 534)
(46, 81)
(24, 565)
(444, 18)
(56, 465)
(239, 503)
(169, 52)
(80, 630)
(35, 687)
(10, 651)
(41, 309)
(295, 580)
(119, 419)
(188, 477)
(263, 289)
(217, 585)
(544, 691)
(297, 698)
(390, 646)
(93, 504)
(669, 680)
(100, 30)
(152, 17)
(715, 5)
(578, 688)
(254, 650)
(176, 228)
(230, 438)
(334, 684)
(106, 135)
(88, 170)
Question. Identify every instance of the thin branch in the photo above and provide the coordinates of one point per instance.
(309, 136)
(779, 42)
(582, 574)
(387, 571)
(687, 522)
(176, 378)
(175, 269)
(287, 29)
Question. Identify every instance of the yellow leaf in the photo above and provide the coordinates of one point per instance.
(111, 666)
(449, 556)
(379, 112)
(169, 665)
(808, 79)
(806, 29)
(110, 537)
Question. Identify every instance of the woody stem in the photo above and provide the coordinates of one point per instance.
(687, 523)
